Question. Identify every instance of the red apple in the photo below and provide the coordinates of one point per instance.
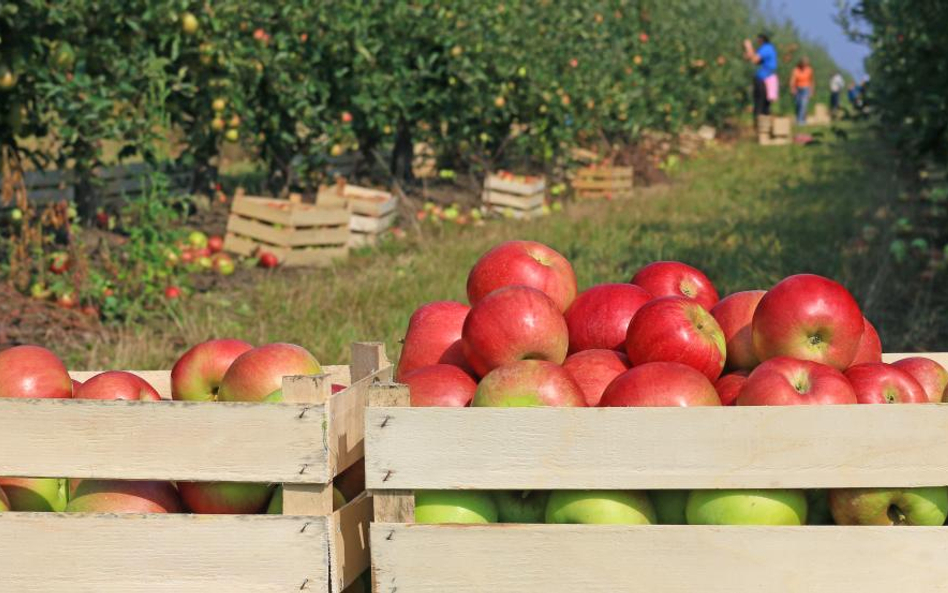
(785, 381)
(659, 384)
(198, 373)
(35, 495)
(75, 385)
(172, 292)
(594, 370)
(511, 324)
(265, 259)
(672, 278)
(33, 372)
(523, 263)
(734, 314)
(112, 496)
(870, 346)
(808, 317)
(434, 337)
(880, 383)
(440, 385)
(4, 503)
(215, 243)
(225, 498)
(676, 329)
(930, 375)
(257, 375)
(729, 386)
(599, 317)
(528, 383)
(117, 385)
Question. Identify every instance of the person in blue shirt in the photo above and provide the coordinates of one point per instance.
(765, 56)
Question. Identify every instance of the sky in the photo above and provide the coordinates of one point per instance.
(814, 18)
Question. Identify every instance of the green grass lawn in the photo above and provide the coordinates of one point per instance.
(746, 215)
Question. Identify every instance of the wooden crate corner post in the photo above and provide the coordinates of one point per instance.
(307, 499)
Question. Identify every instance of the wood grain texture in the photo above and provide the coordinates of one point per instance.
(752, 447)
(390, 505)
(164, 441)
(349, 542)
(163, 553)
(657, 559)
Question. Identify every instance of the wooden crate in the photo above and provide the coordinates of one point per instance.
(303, 443)
(650, 448)
(821, 115)
(298, 234)
(598, 182)
(373, 212)
(129, 181)
(514, 198)
(774, 131)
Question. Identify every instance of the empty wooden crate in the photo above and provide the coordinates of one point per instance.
(304, 443)
(515, 196)
(774, 131)
(597, 182)
(373, 212)
(828, 446)
(298, 234)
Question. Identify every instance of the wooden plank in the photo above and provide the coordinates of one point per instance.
(50, 178)
(645, 448)
(309, 499)
(373, 208)
(240, 245)
(160, 380)
(513, 201)
(259, 209)
(257, 231)
(602, 184)
(657, 559)
(370, 224)
(514, 187)
(52, 194)
(391, 504)
(175, 441)
(163, 553)
(318, 236)
(323, 256)
(306, 215)
(349, 542)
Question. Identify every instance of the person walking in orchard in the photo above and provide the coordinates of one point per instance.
(801, 87)
(837, 84)
(765, 87)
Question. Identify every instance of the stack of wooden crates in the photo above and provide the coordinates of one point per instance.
(515, 196)
(773, 130)
(372, 211)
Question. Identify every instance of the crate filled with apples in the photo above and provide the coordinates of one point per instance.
(515, 196)
(649, 436)
(240, 469)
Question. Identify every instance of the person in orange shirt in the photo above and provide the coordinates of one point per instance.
(801, 87)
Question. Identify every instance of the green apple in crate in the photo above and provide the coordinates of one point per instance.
(35, 495)
(113, 496)
(521, 506)
(600, 507)
(454, 506)
(890, 506)
(670, 506)
(4, 503)
(746, 507)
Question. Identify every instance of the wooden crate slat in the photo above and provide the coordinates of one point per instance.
(323, 256)
(152, 553)
(308, 215)
(656, 559)
(602, 184)
(514, 187)
(647, 448)
(239, 245)
(517, 202)
(52, 194)
(370, 224)
(257, 208)
(51, 178)
(258, 231)
(317, 236)
(605, 194)
(349, 542)
(371, 208)
(173, 441)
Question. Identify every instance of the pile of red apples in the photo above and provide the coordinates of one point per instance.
(665, 338)
(222, 370)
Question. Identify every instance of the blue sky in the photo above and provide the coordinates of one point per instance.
(814, 18)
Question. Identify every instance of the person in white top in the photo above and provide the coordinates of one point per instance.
(837, 84)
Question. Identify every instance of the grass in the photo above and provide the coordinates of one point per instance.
(746, 215)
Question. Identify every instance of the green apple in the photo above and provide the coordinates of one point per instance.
(276, 503)
(746, 507)
(454, 506)
(600, 507)
(4, 503)
(35, 495)
(818, 510)
(670, 506)
(890, 506)
(521, 506)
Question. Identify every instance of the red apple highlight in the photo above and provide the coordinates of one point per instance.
(672, 278)
(599, 317)
(785, 381)
(434, 337)
(870, 346)
(930, 375)
(660, 384)
(594, 370)
(440, 385)
(198, 373)
(523, 263)
(734, 313)
(729, 386)
(528, 383)
(257, 375)
(33, 372)
(676, 329)
(808, 317)
(880, 383)
(117, 385)
(511, 324)
(112, 496)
